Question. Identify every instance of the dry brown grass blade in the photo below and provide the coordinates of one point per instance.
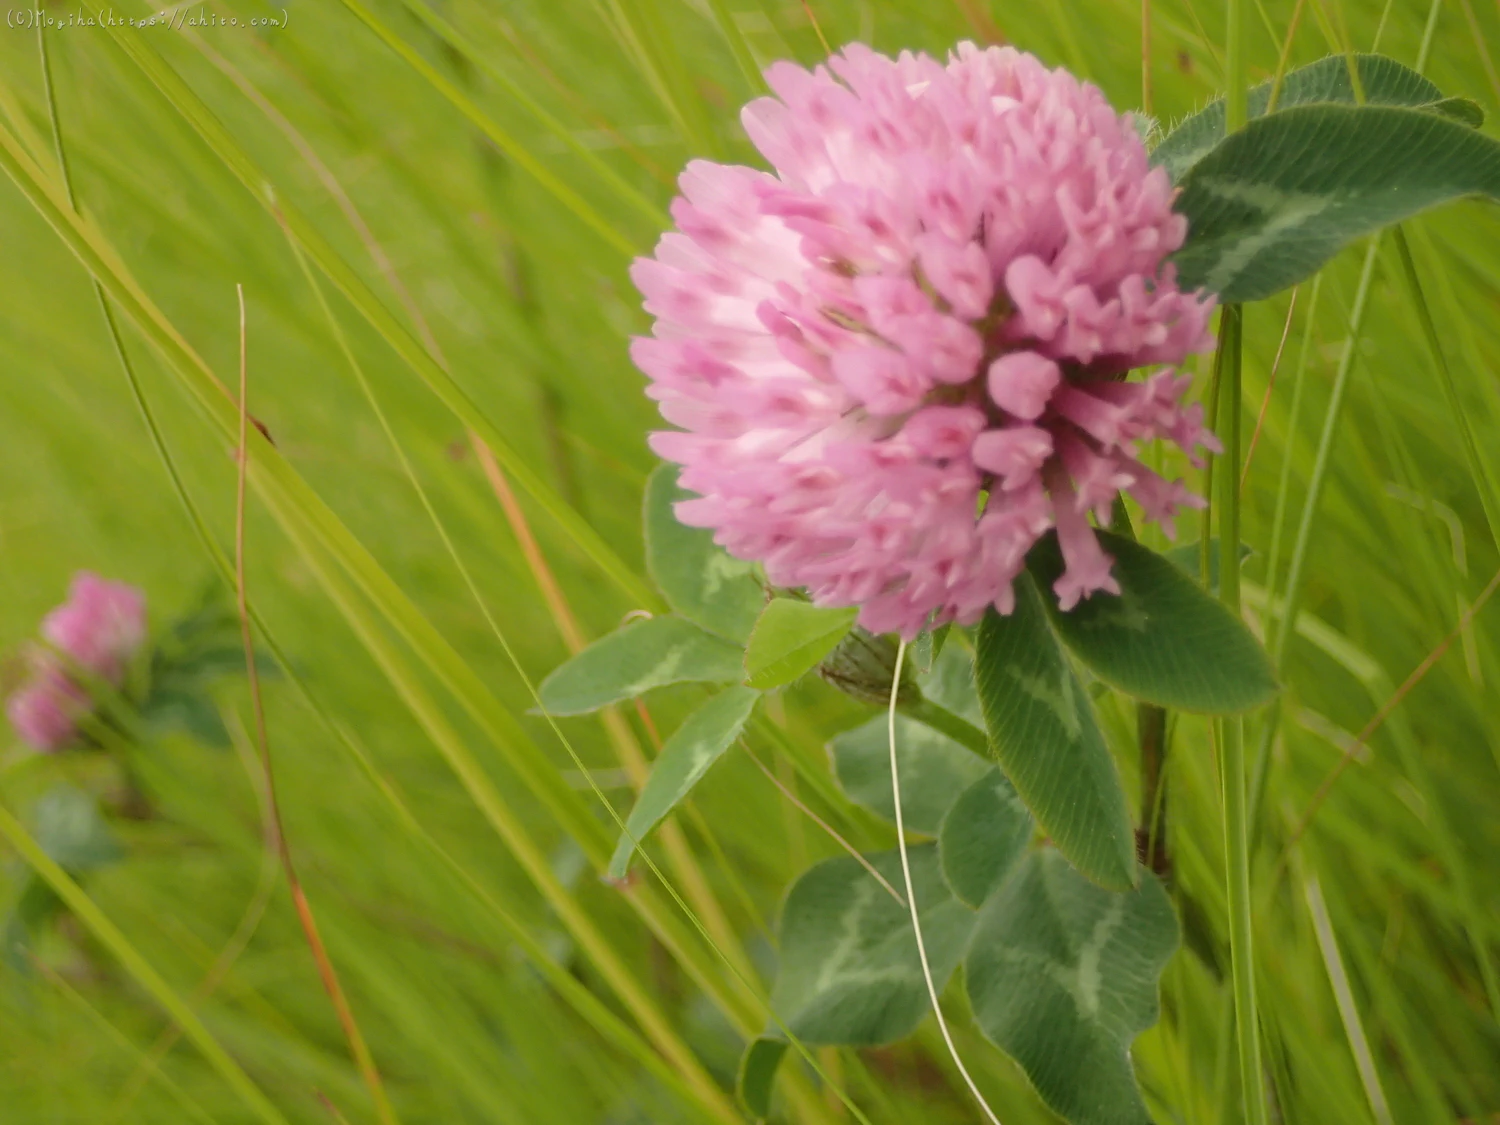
(358, 1048)
(1380, 716)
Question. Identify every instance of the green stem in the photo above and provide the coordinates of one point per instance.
(1235, 95)
(1232, 735)
(944, 721)
(1151, 836)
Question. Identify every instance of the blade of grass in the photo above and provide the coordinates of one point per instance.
(174, 348)
(294, 504)
(684, 864)
(1480, 472)
(738, 46)
(502, 139)
(139, 969)
(181, 97)
(648, 39)
(1383, 713)
(249, 922)
(1338, 980)
(503, 819)
(358, 1048)
(1260, 418)
(119, 1039)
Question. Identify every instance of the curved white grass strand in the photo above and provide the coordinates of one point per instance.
(911, 895)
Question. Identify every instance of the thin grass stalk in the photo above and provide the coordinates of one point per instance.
(911, 894)
(501, 138)
(139, 969)
(1343, 994)
(119, 1039)
(646, 207)
(597, 1014)
(647, 34)
(633, 995)
(364, 1061)
(1271, 722)
(1481, 472)
(518, 152)
(187, 103)
(1232, 741)
(238, 942)
(1146, 92)
(685, 866)
(1332, 420)
(289, 499)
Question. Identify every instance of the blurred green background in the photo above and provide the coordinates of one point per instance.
(487, 170)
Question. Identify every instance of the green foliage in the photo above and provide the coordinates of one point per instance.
(1048, 742)
(201, 649)
(66, 824)
(791, 639)
(756, 1078)
(849, 970)
(1162, 639)
(636, 658)
(1188, 558)
(68, 827)
(1063, 976)
(686, 757)
(700, 580)
(1382, 81)
(934, 771)
(1272, 203)
(983, 834)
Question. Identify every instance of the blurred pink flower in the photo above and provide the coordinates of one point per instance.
(900, 360)
(45, 709)
(99, 628)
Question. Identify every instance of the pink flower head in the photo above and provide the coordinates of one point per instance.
(900, 360)
(99, 628)
(45, 710)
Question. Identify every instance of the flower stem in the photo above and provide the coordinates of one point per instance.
(944, 721)
(1232, 730)
(1151, 836)
(1232, 735)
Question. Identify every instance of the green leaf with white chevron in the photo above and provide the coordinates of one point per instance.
(1280, 197)
(684, 759)
(934, 770)
(699, 579)
(849, 968)
(636, 658)
(1382, 80)
(1043, 732)
(1162, 638)
(1063, 975)
(983, 836)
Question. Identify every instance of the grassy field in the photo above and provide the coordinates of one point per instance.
(443, 196)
